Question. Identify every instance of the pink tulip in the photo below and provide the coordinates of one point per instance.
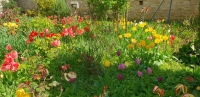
(160, 79)
(121, 66)
(120, 77)
(139, 73)
(46, 30)
(55, 43)
(71, 80)
(12, 54)
(137, 61)
(149, 70)
(118, 53)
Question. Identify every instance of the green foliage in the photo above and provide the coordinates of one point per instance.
(105, 8)
(52, 7)
(189, 53)
(10, 4)
(10, 11)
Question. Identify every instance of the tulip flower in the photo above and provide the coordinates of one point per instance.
(55, 43)
(160, 79)
(139, 73)
(107, 63)
(149, 70)
(8, 47)
(71, 80)
(137, 61)
(118, 53)
(120, 77)
(121, 66)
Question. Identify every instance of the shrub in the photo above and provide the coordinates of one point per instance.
(10, 10)
(104, 8)
(52, 7)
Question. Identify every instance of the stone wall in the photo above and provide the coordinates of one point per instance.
(180, 9)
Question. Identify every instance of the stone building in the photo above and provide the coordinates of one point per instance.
(180, 9)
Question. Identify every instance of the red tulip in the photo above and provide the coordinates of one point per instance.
(8, 47)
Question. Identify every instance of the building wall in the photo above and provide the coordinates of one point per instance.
(180, 9)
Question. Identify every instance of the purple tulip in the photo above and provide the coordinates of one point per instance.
(118, 53)
(71, 80)
(149, 70)
(137, 61)
(160, 79)
(120, 77)
(139, 73)
(121, 66)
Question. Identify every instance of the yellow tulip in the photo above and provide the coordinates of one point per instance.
(131, 46)
(120, 36)
(21, 93)
(152, 45)
(146, 30)
(133, 40)
(127, 35)
(198, 88)
(5, 24)
(139, 44)
(107, 63)
(165, 38)
(157, 41)
(134, 28)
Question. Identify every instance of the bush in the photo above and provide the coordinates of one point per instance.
(10, 10)
(102, 9)
(52, 7)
